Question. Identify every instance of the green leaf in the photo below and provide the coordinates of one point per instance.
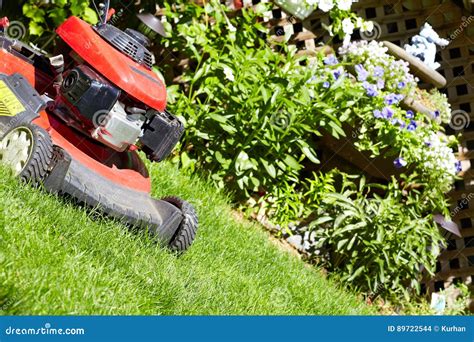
(341, 244)
(186, 162)
(269, 167)
(292, 162)
(322, 220)
(35, 29)
(217, 117)
(58, 15)
(90, 16)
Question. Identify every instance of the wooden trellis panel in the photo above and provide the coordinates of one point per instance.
(397, 21)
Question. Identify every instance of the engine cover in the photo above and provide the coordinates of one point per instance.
(88, 94)
(160, 135)
(117, 129)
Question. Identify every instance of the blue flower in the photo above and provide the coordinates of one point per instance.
(330, 60)
(436, 114)
(399, 163)
(370, 89)
(412, 125)
(378, 71)
(387, 112)
(393, 99)
(410, 114)
(458, 166)
(362, 74)
(428, 143)
(337, 73)
(401, 85)
(326, 84)
(398, 122)
(378, 114)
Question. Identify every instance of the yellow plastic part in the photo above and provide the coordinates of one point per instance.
(9, 103)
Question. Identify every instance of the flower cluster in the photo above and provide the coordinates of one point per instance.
(386, 82)
(374, 66)
(343, 20)
(437, 159)
(328, 5)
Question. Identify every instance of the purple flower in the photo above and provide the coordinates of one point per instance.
(412, 125)
(428, 143)
(398, 122)
(436, 114)
(378, 114)
(378, 71)
(330, 60)
(458, 166)
(362, 74)
(326, 84)
(387, 112)
(370, 89)
(399, 163)
(380, 83)
(393, 99)
(337, 73)
(401, 85)
(410, 114)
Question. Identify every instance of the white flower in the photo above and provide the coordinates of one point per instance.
(229, 74)
(326, 5)
(312, 2)
(347, 40)
(347, 26)
(344, 5)
(367, 26)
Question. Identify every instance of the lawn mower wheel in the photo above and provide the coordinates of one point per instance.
(27, 150)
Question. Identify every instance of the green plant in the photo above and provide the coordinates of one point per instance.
(378, 243)
(45, 16)
(246, 106)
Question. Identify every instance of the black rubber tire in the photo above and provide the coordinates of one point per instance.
(186, 232)
(37, 166)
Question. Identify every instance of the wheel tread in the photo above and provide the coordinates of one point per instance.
(186, 232)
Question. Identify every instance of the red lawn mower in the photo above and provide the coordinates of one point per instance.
(74, 122)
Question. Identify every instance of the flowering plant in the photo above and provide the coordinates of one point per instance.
(355, 227)
(387, 82)
(252, 114)
(344, 21)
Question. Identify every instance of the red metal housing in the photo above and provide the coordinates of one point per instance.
(134, 79)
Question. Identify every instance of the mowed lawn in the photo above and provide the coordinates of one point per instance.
(56, 258)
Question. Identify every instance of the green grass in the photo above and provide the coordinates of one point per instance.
(56, 259)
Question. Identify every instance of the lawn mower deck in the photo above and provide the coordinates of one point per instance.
(75, 123)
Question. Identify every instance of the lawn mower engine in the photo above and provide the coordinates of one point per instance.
(90, 103)
(75, 121)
